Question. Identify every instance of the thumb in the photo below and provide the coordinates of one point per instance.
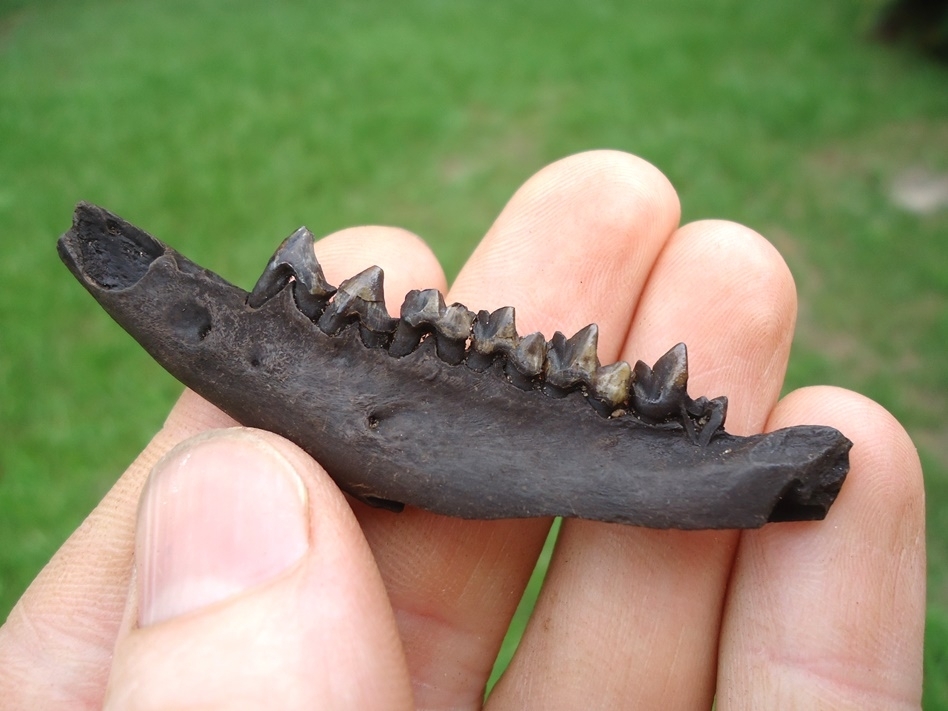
(253, 588)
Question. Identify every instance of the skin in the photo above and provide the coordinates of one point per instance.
(181, 590)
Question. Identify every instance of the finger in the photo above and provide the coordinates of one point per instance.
(57, 642)
(634, 613)
(254, 588)
(831, 614)
(573, 246)
(56, 646)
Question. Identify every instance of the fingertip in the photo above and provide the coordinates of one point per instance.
(835, 609)
(724, 290)
(886, 474)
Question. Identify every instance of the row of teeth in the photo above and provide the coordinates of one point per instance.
(559, 366)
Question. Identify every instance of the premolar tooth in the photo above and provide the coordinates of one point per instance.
(420, 311)
(452, 331)
(360, 297)
(573, 361)
(295, 260)
(422, 307)
(660, 391)
(611, 384)
(495, 332)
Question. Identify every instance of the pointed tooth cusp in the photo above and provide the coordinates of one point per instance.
(659, 392)
(573, 361)
(360, 297)
(611, 384)
(495, 332)
(525, 362)
(295, 260)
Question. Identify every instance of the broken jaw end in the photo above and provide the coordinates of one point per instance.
(104, 251)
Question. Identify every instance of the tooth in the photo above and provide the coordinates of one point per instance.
(525, 362)
(422, 307)
(452, 331)
(572, 361)
(420, 310)
(495, 332)
(360, 297)
(295, 260)
(611, 384)
(659, 392)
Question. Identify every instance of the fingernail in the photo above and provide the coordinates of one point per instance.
(221, 513)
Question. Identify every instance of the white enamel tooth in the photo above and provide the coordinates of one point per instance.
(611, 383)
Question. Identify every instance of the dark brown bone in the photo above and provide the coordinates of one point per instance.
(451, 439)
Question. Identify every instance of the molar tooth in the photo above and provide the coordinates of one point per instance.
(525, 362)
(611, 384)
(659, 392)
(295, 260)
(573, 361)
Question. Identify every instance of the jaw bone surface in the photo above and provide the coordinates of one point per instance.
(464, 429)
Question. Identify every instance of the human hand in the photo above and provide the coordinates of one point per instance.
(254, 582)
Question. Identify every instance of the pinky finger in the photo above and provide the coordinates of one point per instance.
(831, 614)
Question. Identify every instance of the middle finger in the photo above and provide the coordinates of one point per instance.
(574, 246)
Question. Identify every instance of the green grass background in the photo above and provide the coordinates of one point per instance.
(220, 126)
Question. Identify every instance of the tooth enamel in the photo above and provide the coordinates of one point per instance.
(672, 368)
(294, 259)
(530, 354)
(359, 297)
(573, 361)
(611, 383)
(494, 332)
(455, 323)
(658, 392)
(422, 307)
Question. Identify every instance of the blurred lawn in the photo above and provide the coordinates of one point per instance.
(220, 126)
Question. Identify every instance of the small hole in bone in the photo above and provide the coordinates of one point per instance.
(372, 421)
(191, 322)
